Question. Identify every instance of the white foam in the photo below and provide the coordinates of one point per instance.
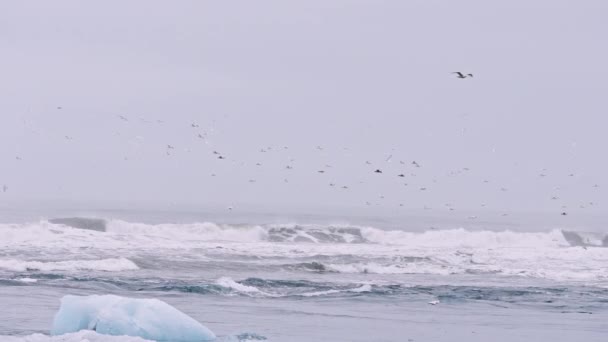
(109, 265)
(320, 293)
(81, 336)
(27, 280)
(361, 289)
(194, 232)
(465, 239)
(408, 268)
(544, 255)
(231, 284)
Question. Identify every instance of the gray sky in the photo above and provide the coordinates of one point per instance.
(362, 79)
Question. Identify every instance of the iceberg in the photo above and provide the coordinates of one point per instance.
(150, 319)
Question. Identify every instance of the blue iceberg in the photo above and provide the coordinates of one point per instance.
(151, 319)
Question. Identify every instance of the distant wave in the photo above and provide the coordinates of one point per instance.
(109, 265)
(334, 234)
(555, 255)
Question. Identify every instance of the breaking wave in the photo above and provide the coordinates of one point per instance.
(108, 265)
(46, 231)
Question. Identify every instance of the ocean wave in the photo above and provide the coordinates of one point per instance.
(406, 268)
(553, 255)
(108, 265)
(295, 233)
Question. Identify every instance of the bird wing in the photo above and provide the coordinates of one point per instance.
(459, 73)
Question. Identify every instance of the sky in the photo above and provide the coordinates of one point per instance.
(94, 92)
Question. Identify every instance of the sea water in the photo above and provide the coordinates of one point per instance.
(250, 280)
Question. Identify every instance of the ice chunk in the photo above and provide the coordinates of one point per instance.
(151, 319)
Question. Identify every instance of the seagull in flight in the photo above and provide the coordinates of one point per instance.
(461, 75)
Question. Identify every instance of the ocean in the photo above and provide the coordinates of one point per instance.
(313, 279)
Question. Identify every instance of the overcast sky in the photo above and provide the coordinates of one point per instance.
(326, 85)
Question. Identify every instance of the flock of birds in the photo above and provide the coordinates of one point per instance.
(203, 135)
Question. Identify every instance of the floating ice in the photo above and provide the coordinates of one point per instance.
(151, 319)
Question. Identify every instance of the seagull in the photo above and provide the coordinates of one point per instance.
(401, 175)
(18, 158)
(221, 157)
(194, 125)
(415, 164)
(321, 171)
(4, 188)
(461, 75)
(123, 118)
(59, 108)
(288, 167)
(378, 171)
(170, 147)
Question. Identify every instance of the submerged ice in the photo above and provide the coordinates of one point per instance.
(150, 319)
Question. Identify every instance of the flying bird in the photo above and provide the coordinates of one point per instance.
(461, 75)
(378, 171)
